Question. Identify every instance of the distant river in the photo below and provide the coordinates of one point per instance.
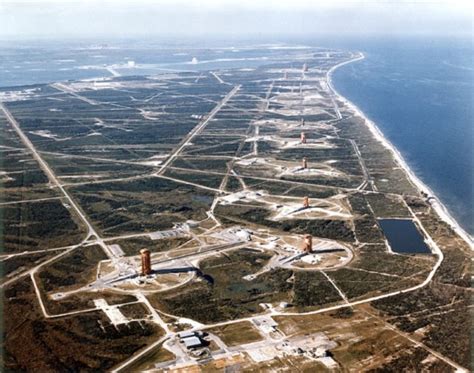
(420, 94)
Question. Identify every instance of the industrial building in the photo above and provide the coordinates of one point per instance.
(192, 342)
(192, 339)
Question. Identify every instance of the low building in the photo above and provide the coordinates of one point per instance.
(186, 334)
(329, 362)
(265, 324)
(191, 339)
(193, 342)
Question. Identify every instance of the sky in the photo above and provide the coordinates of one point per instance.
(59, 19)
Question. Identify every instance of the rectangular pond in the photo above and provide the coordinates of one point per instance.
(403, 236)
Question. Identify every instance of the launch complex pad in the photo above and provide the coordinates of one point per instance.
(211, 219)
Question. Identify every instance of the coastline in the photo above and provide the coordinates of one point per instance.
(436, 204)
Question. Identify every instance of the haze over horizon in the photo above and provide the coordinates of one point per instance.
(72, 19)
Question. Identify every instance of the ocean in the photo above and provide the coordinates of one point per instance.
(419, 92)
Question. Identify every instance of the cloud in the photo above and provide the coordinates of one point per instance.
(224, 18)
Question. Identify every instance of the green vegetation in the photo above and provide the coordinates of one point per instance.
(399, 265)
(233, 185)
(148, 361)
(108, 155)
(229, 296)
(21, 263)
(411, 360)
(143, 205)
(280, 187)
(204, 179)
(443, 310)
(456, 267)
(387, 206)
(132, 246)
(357, 283)
(333, 229)
(32, 343)
(39, 225)
(200, 164)
(72, 270)
(135, 311)
(236, 334)
(313, 289)
(366, 227)
(82, 301)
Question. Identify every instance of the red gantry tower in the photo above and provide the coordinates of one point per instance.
(308, 243)
(146, 262)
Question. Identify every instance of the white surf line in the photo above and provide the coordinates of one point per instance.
(198, 129)
(332, 91)
(437, 205)
(343, 296)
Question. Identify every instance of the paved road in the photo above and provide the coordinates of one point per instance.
(29, 201)
(347, 303)
(367, 177)
(91, 232)
(219, 79)
(196, 130)
(64, 88)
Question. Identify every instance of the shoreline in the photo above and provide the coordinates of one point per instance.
(436, 203)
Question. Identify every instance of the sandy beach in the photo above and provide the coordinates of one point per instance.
(436, 204)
